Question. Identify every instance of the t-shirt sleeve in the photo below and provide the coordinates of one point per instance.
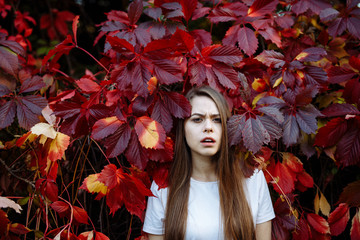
(266, 210)
(155, 212)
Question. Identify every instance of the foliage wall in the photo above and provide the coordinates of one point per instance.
(91, 90)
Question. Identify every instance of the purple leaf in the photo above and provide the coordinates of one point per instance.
(337, 110)
(328, 14)
(7, 114)
(135, 10)
(4, 90)
(353, 26)
(235, 125)
(32, 84)
(290, 130)
(154, 12)
(337, 27)
(273, 112)
(245, 37)
(306, 118)
(347, 150)
(256, 134)
(167, 71)
(271, 126)
(116, 143)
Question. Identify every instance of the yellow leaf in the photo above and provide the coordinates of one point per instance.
(301, 55)
(277, 83)
(324, 205)
(94, 186)
(317, 203)
(259, 84)
(258, 97)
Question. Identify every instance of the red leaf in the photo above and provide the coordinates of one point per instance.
(338, 219)
(62, 208)
(352, 92)
(331, 133)
(314, 5)
(245, 37)
(80, 215)
(284, 213)
(354, 62)
(351, 194)
(150, 133)
(18, 228)
(305, 180)
(225, 54)
(339, 74)
(135, 153)
(117, 142)
(262, 7)
(120, 45)
(284, 178)
(100, 236)
(177, 104)
(303, 231)
(167, 71)
(135, 10)
(88, 85)
(292, 162)
(121, 186)
(161, 114)
(355, 227)
(4, 221)
(60, 25)
(74, 27)
(337, 110)
(163, 155)
(188, 8)
(63, 48)
(318, 223)
(345, 151)
(7, 114)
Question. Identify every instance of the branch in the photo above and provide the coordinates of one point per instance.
(16, 176)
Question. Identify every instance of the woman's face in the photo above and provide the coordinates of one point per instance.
(203, 128)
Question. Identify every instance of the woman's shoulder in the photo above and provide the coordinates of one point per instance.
(257, 177)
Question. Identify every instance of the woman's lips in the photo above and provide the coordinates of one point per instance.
(208, 141)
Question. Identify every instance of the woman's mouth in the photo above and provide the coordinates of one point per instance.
(208, 141)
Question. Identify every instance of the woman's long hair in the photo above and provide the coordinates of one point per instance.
(235, 212)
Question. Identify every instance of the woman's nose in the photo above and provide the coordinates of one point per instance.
(208, 126)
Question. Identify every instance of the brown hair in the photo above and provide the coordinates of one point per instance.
(236, 214)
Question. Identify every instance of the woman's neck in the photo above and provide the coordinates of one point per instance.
(203, 169)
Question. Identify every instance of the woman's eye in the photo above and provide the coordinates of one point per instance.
(217, 120)
(196, 120)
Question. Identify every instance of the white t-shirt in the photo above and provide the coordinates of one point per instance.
(203, 221)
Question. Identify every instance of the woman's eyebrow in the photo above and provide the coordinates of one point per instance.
(203, 115)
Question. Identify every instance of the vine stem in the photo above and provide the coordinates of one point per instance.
(16, 176)
(97, 61)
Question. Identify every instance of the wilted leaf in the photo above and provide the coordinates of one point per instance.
(151, 134)
(8, 203)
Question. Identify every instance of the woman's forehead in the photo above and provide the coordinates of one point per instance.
(203, 105)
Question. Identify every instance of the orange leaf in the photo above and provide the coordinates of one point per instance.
(150, 133)
(58, 146)
(74, 27)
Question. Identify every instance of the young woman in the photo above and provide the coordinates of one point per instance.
(208, 197)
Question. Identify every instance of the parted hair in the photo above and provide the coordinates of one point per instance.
(235, 211)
